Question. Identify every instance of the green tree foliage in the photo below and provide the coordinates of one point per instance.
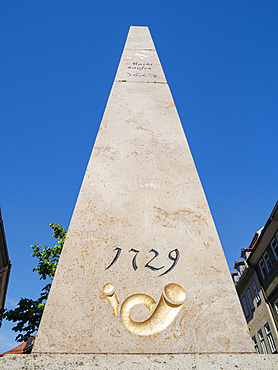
(28, 312)
(49, 256)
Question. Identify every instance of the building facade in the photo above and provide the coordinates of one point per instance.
(256, 281)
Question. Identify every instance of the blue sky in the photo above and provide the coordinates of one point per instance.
(58, 61)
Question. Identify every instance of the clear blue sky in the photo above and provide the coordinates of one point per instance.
(58, 60)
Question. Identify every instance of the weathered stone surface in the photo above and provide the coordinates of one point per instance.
(142, 198)
(130, 362)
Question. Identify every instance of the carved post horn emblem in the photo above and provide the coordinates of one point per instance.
(167, 309)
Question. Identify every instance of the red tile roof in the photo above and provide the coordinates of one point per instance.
(16, 350)
(19, 349)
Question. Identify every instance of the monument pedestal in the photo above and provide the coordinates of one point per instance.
(130, 362)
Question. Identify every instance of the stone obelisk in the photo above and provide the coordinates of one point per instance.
(142, 269)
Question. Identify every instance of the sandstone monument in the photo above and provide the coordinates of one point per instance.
(142, 269)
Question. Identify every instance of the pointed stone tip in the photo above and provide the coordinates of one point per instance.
(140, 62)
(139, 38)
(138, 27)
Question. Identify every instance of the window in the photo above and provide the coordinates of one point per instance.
(265, 265)
(245, 308)
(267, 262)
(255, 343)
(270, 338)
(262, 341)
(250, 299)
(256, 292)
(263, 268)
(274, 245)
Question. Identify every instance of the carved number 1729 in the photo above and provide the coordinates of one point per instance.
(173, 255)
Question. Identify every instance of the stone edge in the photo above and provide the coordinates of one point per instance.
(139, 361)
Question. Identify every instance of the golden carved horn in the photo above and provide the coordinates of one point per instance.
(163, 315)
(109, 291)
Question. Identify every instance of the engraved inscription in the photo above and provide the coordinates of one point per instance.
(152, 267)
(139, 66)
(174, 259)
(115, 258)
(140, 69)
(134, 264)
(173, 255)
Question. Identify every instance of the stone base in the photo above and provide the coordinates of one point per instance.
(129, 362)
